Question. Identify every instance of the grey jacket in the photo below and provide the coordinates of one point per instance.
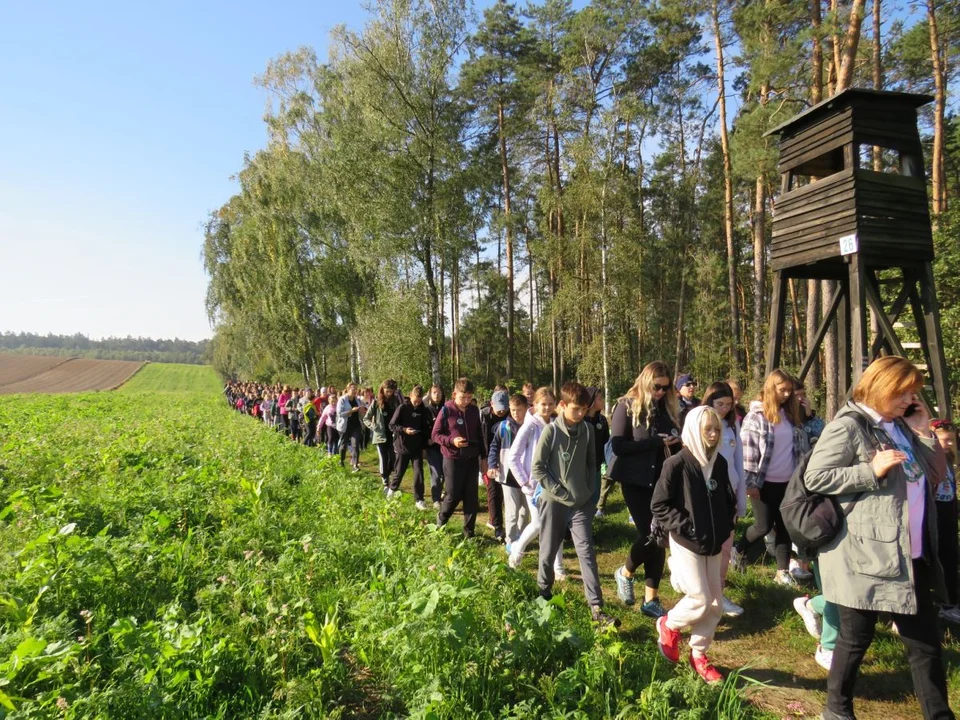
(565, 465)
(868, 565)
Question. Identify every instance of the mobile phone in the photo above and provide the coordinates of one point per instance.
(911, 410)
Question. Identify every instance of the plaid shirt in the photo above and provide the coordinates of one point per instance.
(757, 436)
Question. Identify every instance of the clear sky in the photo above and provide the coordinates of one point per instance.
(121, 124)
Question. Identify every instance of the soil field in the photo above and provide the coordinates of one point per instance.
(31, 374)
(17, 368)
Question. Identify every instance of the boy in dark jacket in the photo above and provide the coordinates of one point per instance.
(564, 466)
(694, 502)
(411, 427)
(490, 417)
(458, 433)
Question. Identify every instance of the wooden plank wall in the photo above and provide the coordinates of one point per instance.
(809, 221)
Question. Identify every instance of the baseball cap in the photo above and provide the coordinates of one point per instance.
(500, 402)
(684, 379)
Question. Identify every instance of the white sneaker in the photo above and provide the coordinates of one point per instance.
(491, 526)
(390, 493)
(810, 619)
(559, 574)
(436, 505)
(421, 505)
(730, 608)
(823, 657)
(784, 578)
(514, 560)
(798, 572)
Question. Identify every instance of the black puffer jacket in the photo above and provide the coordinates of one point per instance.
(638, 451)
(699, 519)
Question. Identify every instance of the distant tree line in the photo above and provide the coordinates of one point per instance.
(140, 349)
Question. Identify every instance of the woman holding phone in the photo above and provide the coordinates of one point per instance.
(644, 431)
(880, 461)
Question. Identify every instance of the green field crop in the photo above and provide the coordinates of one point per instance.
(163, 557)
(170, 377)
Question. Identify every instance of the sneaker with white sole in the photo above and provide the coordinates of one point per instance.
(730, 608)
(421, 505)
(559, 574)
(823, 657)
(624, 587)
(783, 577)
(390, 493)
(810, 619)
(514, 560)
(436, 505)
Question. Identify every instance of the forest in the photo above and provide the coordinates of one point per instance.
(556, 189)
(111, 348)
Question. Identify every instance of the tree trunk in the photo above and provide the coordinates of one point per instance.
(937, 175)
(849, 56)
(829, 287)
(759, 274)
(816, 85)
(508, 229)
(877, 72)
(736, 353)
(813, 321)
(531, 289)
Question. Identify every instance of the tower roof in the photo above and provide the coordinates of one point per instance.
(853, 97)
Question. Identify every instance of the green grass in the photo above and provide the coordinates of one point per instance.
(163, 557)
(172, 378)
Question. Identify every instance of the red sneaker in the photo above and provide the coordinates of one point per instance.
(705, 669)
(668, 640)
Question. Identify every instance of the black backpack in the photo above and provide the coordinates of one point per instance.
(812, 519)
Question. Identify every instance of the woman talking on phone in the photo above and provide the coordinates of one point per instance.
(644, 431)
(880, 461)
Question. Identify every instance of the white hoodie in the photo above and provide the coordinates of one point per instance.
(521, 452)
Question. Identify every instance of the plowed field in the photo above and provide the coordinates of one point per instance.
(31, 374)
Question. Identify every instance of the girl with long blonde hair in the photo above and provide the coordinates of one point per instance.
(644, 431)
(773, 444)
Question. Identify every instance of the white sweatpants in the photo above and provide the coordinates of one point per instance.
(514, 511)
(701, 608)
(530, 532)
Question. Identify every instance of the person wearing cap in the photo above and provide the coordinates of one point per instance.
(491, 416)
(686, 387)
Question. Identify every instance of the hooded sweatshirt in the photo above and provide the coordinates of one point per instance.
(521, 452)
(452, 422)
(564, 463)
(698, 518)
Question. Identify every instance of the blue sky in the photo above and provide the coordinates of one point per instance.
(120, 126)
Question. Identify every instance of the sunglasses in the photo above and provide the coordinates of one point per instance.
(657, 387)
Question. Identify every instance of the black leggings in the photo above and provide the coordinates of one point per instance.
(333, 439)
(766, 517)
(388, 460)
(645, 551)
(350, 439)
(947, 536)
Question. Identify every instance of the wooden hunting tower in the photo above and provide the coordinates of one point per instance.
(838, 219)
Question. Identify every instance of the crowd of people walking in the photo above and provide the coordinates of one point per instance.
(864, 506)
